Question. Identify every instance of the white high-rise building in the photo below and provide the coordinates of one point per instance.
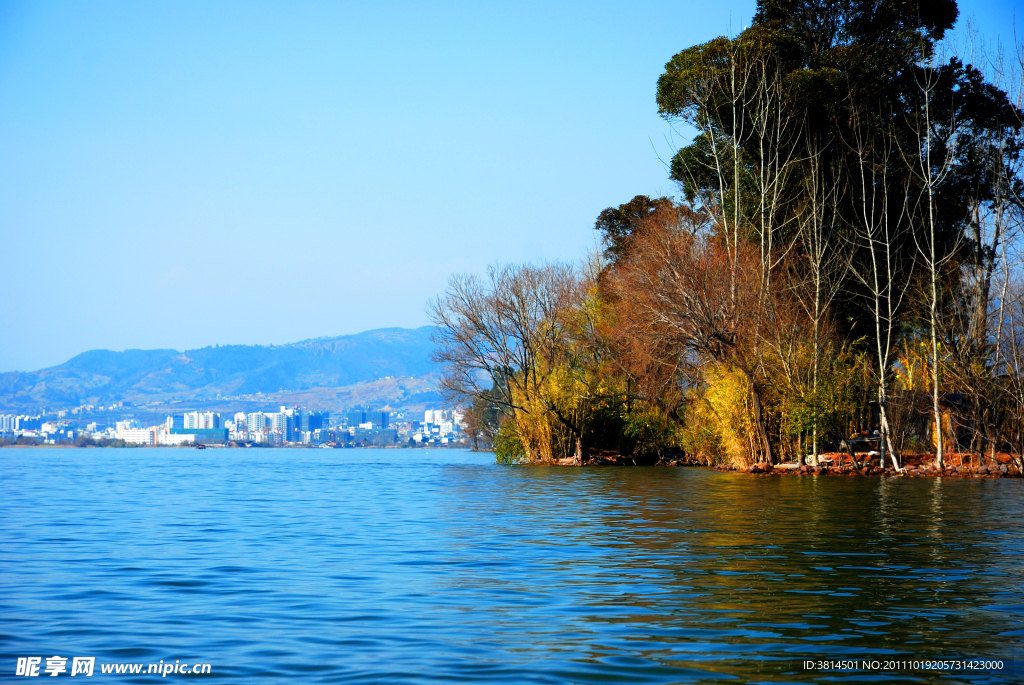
(256, 422)
(206, 419)
(240, 423)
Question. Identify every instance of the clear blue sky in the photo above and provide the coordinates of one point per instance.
(179, 174)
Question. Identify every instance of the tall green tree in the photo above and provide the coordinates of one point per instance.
(808, 71)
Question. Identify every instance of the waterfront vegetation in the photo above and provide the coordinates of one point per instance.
(843, 259)
(81, 441)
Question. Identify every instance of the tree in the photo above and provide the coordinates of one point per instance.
(671, 288)
(769, 107)
(822, 259)
(618, 225)
(483, 420)
(501, 336)
(988, 187)
(525, 340)
(763, 102)
(878, 229)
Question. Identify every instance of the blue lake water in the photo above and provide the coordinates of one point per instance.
(412, 566)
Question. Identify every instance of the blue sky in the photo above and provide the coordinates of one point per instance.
(186, 174)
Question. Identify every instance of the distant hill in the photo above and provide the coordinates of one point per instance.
(100, 376)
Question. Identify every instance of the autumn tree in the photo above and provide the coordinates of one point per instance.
(672, 287)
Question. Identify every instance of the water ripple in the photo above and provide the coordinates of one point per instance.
(425, 567)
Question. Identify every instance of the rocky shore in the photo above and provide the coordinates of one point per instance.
(919, 465)
(837, 464)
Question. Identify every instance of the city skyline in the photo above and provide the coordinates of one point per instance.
(291, 426)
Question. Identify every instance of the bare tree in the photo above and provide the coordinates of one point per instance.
(1012, 346)
(674, 292)
(739, 169)
(501, 336)
(973, 333)
(879, 231)
(824, 257)
(932, 160)
(774, 158)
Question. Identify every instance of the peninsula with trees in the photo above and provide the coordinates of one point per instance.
(840, 272)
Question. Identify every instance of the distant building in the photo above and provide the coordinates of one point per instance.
(138, 436)
(28, 423)
(172, 439)
(374, 438)
(379, 419)
(255, 422)
(434, 416)
(204, 420)
(310, 421)
(338, 437)
(281, 423)
(203, 434)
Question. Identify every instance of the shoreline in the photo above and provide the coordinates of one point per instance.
(1002, 467)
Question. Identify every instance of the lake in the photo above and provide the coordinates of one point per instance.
(416, 566)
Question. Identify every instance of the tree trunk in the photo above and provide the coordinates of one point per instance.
(755, 396)
(936, 409)
(883, 418)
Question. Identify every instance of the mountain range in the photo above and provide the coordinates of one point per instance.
(391, 362)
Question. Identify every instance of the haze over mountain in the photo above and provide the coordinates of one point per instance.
(303, 368)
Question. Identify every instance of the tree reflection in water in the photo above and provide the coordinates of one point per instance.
(703, 572)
